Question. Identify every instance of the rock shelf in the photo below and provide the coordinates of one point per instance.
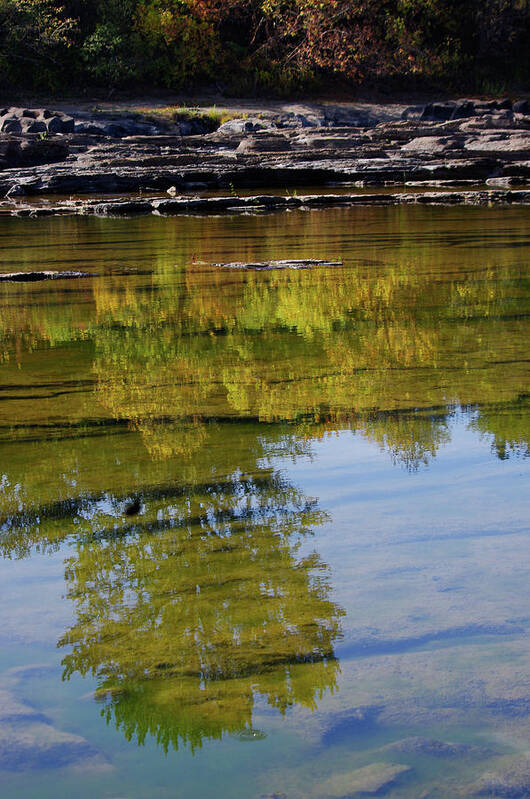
(439, 145)
(208, 206)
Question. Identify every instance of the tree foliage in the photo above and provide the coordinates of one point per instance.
(268, 45)
(35, 39)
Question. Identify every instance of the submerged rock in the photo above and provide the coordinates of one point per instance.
(431, 747)
(29, 740)
(373, 780)
(35, 745)
(513, 781)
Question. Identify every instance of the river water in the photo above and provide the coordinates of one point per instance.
(265, 533)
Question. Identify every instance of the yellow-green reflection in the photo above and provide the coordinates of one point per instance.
(199, 606)
(420, 327)
(191, 609)
(177, 386)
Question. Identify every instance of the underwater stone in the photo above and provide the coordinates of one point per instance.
(373, 780)
(512, 782)
(434, 748)
(28, 740)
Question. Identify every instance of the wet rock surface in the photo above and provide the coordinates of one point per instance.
(50, 152)
(188, 205)
(31, 277)
(267, 265)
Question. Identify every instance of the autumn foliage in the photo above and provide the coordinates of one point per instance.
(278, 46)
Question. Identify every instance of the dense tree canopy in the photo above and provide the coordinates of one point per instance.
(263, 45)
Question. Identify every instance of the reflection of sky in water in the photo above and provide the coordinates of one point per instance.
(448, 538)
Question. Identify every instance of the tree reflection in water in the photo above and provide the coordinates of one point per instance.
(190, 379)
(185, 618)
(205, 600)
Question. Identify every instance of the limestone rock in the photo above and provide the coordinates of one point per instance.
(507, 182)
(432, 144)
(297, 144)
(502, 142)
(124, 208)
(242, 126)
(264, 143)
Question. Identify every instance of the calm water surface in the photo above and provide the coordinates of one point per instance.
(265, 533)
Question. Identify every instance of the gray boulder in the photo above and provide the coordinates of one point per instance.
(293, 121)
(412, 112)
(264, 143)
(463, 110)
(438, 112)
(59, 124)
(91, 128)
(241, 126)
(12, 126)
(432, 144)
(522, 107)
(34, 126)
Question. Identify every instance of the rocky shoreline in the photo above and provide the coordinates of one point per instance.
(448, 147)
(208, 206)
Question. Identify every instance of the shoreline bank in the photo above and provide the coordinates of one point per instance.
(451, 144)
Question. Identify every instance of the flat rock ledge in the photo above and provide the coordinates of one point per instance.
(43, 151)
(208, 206)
